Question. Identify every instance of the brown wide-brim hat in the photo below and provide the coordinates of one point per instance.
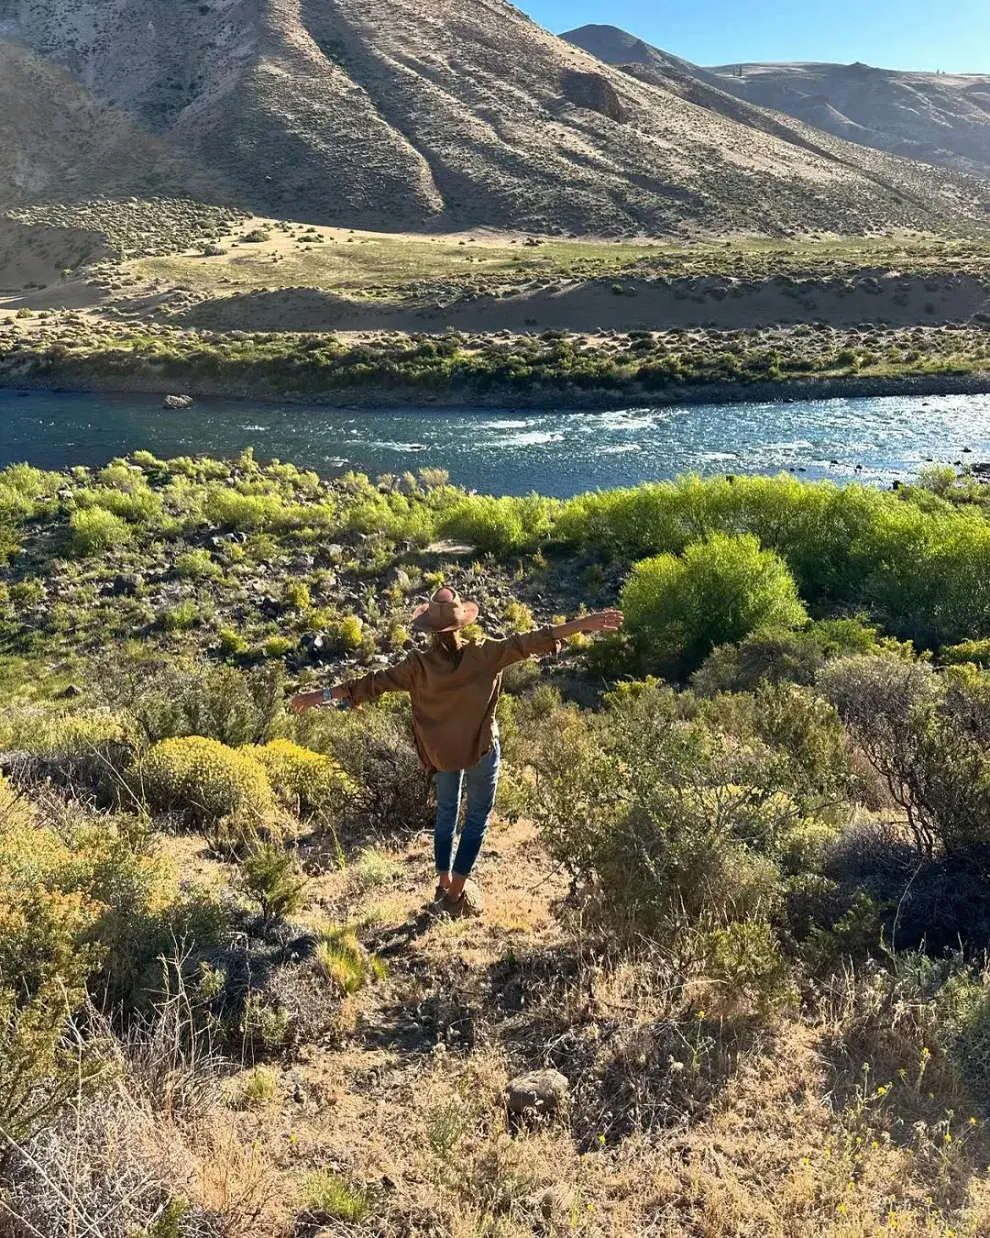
(444, 612)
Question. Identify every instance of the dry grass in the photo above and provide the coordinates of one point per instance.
(689, 1114)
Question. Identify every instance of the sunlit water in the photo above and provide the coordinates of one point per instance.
(508, 452)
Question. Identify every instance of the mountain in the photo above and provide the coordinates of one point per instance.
(936, 118)
(428, 115)
(57, 139)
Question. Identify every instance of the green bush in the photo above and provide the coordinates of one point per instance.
(197, 565)
(97, 531)
(976, 651)
(138, 506)
(329, 1197)
(500, 526)
(780, 656)
(720, 590)
(345, 635)
(229, 509)
(273, 876)
(279, 647)
(79, 908)
(341, 959)
(222, 791)
(187, 697)
(926, 735)
(376, 750)
(181, 617)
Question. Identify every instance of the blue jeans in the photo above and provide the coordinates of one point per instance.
(482, 783)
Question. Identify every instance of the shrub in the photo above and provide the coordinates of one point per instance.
(295, 595)
(197, 565)
(330, 1197)
(137, 506)
(279, 647)
(341, 959)
(927, 736)
(181, 617)
(78, 907)
(776, 656)
(186, 697)
(224, 792)
(273, 877)
(500, 526)
(377, 752)
(346, 635)
(258, 1088)
(374, 868)
(232, 643)
(88, 748)
(719, 591)
(976, 651)
(229, 509)
(304, 780)
(97, 531)
(518, 618)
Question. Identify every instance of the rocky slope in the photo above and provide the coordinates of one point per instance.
(57, 139)
(422, 114)
(937, 118)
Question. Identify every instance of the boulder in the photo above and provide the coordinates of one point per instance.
(314, 645)
(399, 577)
(128, 584)
(540, 1091)
(177, 401)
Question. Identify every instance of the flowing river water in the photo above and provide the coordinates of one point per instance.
(876, 439)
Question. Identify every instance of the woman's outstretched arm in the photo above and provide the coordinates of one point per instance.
(358, 691)
(498, 654)
(590, 625)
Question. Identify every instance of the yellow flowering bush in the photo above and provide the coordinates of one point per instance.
(304, 780)
(222, 791)
(79, 909)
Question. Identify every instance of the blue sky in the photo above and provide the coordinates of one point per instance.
(953, 35)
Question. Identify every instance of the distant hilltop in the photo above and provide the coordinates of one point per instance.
(938, 118)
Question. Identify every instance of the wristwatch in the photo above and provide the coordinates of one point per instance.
(329, 699)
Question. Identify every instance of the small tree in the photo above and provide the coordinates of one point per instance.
(273, 876)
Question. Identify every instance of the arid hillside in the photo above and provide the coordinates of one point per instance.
(942, 119)
(408, 114)
(58, 141)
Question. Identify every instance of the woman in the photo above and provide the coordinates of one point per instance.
(454, 687)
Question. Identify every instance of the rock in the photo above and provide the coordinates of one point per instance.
(177, 401)
(540, 1091)
(554, 1204)
(127, 585)
(71, 690)
(303, 563)
(398, 576)
(314, 644)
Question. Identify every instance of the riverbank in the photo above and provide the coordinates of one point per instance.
(458, 370)
(561, 398)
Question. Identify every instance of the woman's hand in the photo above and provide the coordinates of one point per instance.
(602, 621)
(310, 700)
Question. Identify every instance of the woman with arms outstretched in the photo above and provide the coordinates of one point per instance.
(454, 686)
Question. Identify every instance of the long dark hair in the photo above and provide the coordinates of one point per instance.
(449, 644)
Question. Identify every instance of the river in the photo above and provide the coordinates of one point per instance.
(878, 439)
